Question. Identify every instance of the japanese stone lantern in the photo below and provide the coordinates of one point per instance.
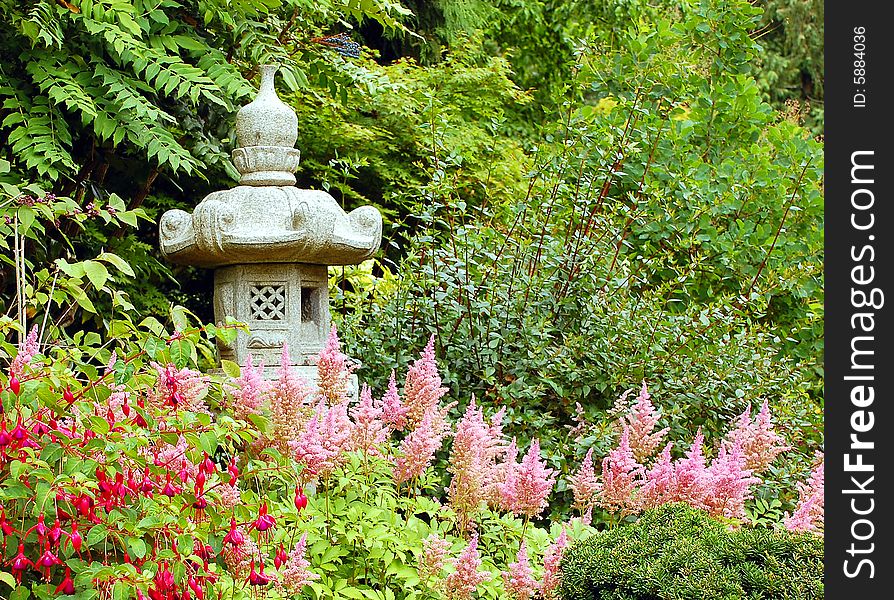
(270, 243)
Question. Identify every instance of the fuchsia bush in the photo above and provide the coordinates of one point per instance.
(147, 479)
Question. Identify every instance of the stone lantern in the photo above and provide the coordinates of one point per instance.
(270, 243)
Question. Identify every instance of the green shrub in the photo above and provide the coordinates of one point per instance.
(679, 552)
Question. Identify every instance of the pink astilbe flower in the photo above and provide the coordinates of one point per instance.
(551, 572)
(434, 556)
(527, 485)
(641, 421)
(461, 584)
(27, 350)
(759, 442)
(620, 472)
(320, 447)
(422, 388)
(692, 478)
(418, 449)
(230, 497)
(394, 411)
(476, 448)
(333, 370)
(295, 573)
(730, 483)
(174, 458)
(584, 483)
(289, 400)
(249, 390)
(369, 430)
(810, 514)
(660, 485)
(519, 579)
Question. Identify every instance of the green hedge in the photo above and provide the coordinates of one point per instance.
(677, 552)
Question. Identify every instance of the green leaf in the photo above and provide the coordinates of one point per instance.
(230, 368)
(20, 593)
(96, 272)
(181, 353)
(96, 534)
(8, 579)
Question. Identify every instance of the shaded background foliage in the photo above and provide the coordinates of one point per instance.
(578, 195)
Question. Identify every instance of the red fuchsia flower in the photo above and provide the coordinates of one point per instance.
(528, 483)
(258, 578)
(5, 438)
(551, 572)
(14, 385)
(422, 388)
(46, 561)
(641, 421)
(300, 499)
(19, 433)
(75, 538)
(170, 490)
(234, 536)
(196, 587)
(333, 371)
(233, 470)
(584, 483)
(207, 465)
(519, 579)
(67, 586)
(461, 584)
(280, 557)
(810, 514)
(418, 449)
(68, 396)
(264, 521)
(20, 563)
(394, 413)
(164, 579)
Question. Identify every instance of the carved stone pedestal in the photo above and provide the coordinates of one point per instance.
(282, 303)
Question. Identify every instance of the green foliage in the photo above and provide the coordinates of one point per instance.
(677, 552)
(671, 231)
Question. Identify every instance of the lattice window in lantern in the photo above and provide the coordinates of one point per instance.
(268, 302)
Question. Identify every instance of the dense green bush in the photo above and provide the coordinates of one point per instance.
(676, 552)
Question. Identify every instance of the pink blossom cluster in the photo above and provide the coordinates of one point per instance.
(249, 390)
(477, 446)
(551, 572)
(810, 514)
(434, 556)
(418, 448)
(462, 582)
(721, 487)
(584, 483)
(334, 370)
(321, 445)
(641, 421)
(295, 573)
(422, 388)
(757, 439)
(182, 389)
(526, 486)
(519, 579)
(369, 430)
(27, 350)
(290, 399)
(394, 412)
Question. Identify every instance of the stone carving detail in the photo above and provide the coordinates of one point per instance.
(268, 302)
